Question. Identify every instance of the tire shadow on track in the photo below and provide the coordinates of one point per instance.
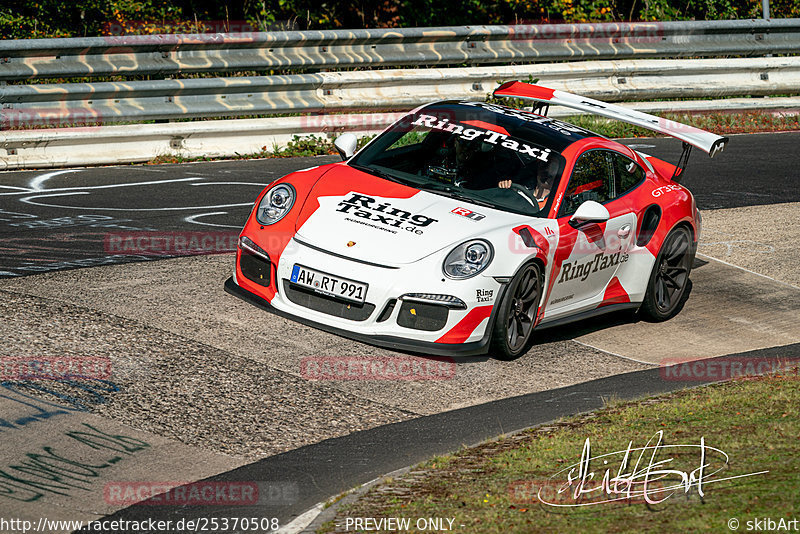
(602, 322)
(730, 310)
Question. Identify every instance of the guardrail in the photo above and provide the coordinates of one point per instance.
(388, 89)
(205, 97)
(503, 53)
(470, 45)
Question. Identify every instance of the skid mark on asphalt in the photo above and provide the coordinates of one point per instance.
(730, 310)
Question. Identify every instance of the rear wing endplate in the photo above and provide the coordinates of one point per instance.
(705, 141)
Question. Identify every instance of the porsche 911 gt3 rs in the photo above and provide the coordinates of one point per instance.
(465, 226)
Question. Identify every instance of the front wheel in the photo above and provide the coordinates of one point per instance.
(517, 313)
(670, 277)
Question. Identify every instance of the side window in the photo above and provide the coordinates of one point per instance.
(627, 172)
(592, 179)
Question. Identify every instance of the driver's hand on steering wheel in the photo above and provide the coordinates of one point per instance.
(504, 184)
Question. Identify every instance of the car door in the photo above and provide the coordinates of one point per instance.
(589, 254)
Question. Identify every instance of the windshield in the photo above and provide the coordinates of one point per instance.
(467, 152)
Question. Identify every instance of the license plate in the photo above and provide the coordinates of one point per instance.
(328, 284)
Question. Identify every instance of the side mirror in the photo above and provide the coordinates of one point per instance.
(589, 212)
(346, 145)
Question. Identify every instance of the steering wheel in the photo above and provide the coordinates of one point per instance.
(527, 194)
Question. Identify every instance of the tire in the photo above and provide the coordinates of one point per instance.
(669, 284)
(516, 316)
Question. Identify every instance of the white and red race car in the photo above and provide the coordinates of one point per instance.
(465, 226)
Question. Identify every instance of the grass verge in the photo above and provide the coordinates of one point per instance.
(493, 488)
(719, 123)
(310, 145)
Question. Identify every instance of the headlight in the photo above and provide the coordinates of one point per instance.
(275, 204)
(468, 259)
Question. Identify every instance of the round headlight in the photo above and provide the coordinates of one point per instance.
(475, 253)
(275, 204)
(468, 259)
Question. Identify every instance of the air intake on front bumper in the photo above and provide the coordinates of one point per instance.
(387, 311)
(322, 303)
(422, 316)
(255, 267)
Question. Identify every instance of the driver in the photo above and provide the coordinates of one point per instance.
(474, 161)
(546, 174)
(545, 178)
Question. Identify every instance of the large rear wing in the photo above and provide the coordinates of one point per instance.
(705, 141)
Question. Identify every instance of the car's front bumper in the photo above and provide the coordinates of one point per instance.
(472, 348)
(392, 313)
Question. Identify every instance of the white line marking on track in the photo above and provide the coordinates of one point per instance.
(749, 271)
(192, 219)
(232, 183)
(36, 182)
(20, 189)
(613, 353)
(29, 200)
(109, 186)
(299, 523)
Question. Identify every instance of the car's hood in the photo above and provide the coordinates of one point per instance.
(368, 218)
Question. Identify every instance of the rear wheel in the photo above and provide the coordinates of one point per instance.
(517, 313)
(669, 281)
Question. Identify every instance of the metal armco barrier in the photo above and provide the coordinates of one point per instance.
(499, 46)
(463, 63)
(387, 89)
(469, 45)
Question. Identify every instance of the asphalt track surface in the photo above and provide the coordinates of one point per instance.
(53, 220)
(48, 220)
(336, 465)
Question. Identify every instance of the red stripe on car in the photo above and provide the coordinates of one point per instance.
(615, 294)
(524, 90)
(487, 126)
(466, 326)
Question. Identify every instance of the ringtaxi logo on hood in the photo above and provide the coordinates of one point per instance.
(367, 208)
